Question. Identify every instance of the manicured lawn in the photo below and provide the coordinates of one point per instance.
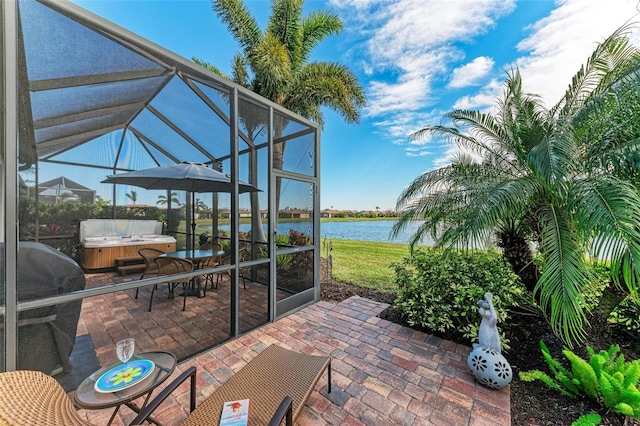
(364, 263)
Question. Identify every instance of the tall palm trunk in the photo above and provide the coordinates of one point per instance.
(516, 251)
(278, 162)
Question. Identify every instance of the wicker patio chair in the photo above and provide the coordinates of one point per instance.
(209, 246)
(277, 382)
(149, 255)
(210, 262)
(168, 265)
(34, 398)
(227, 260)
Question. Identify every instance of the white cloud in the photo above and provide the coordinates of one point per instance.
(483, 100)
(385, 98)
(561, 42)
(407, 48)
(409, 43)
(470, 74)
(411, 153)
(398, 126)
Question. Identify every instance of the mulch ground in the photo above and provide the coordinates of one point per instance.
(532, 404)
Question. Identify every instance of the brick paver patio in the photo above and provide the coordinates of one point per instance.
(383, 373)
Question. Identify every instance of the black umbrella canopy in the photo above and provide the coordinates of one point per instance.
(186, 176)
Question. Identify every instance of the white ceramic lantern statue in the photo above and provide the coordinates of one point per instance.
(487, 364)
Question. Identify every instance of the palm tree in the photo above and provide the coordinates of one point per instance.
(274, 64)
(201, 207)
(133, 196)
(555, 179)
(163, 200)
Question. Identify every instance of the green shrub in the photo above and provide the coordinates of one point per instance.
(441, 293)
(606, 378)
(591, 419)
(627, 315)
(283, 259)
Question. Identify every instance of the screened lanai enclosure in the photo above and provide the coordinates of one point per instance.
(85, 99)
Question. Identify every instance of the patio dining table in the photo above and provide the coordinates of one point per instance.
(197, 257)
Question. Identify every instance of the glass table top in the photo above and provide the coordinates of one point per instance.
(87, 397)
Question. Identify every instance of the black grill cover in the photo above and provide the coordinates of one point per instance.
(46, 335)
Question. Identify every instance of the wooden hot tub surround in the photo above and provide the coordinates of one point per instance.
(105, 240)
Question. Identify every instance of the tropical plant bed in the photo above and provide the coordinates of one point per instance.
(532, 404)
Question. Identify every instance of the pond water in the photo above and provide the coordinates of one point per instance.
(366, 230)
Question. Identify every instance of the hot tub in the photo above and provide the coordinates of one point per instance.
(105, 240)
(134, 240)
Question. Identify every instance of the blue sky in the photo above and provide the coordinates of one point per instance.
(415, 59)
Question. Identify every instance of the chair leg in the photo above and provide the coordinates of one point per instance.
(184, 303)
(209, 278)
(153, 290)
(138, 288)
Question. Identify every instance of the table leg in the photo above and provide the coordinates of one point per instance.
(194, 288)
(137, 409)
(113, 416)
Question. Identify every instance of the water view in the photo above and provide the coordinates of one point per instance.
(366, 230)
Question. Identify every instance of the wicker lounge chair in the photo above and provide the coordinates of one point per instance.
(276, 381)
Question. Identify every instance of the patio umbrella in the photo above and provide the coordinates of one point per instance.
(186, 176)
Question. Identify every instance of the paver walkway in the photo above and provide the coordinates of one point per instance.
(383, 373)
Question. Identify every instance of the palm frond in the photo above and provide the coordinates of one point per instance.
(565, 275)
(593, 77)
(607, 209)
(606, 205)
(284, 24)
(607, 128)
(210, 67)
(271, 66)
(486, 207)
(239, 22)
(522, 116)
(315, 27)
(326, 84)
(462, 203)
(555, 159)
(483, 126)
(239, 70)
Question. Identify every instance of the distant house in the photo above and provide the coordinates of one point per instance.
(226, 214)
(138, 206)
(294, 214)
(329, 213)
(60, 190)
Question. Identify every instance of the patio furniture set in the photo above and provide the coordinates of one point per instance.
(159, 263)
(277, 382)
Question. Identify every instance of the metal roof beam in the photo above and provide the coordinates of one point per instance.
(91, 79)
(213, 106)
(85, 115)
(294, 135)
(143, 137)
(78, 138)
(179, 131)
